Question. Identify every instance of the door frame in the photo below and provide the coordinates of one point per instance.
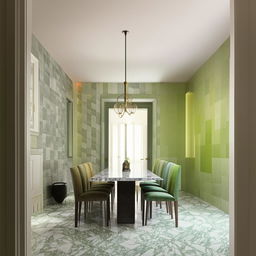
(17, 59)
(17, 35)
(145, 105)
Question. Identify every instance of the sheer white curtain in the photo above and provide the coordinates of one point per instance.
(128, 139)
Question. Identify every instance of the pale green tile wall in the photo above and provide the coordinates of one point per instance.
(54, 89)
(207, 174)
(170, 113)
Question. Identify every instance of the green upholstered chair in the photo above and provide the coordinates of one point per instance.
(173, 185)
(86, 174)
(87, 196)
(157, 169)
(145, 183)
(167, 169)
(92, 173)
(163, 188)
(97, 185)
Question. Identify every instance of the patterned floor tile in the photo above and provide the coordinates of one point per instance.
(203, 231)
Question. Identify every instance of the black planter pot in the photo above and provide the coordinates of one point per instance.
(59, 191)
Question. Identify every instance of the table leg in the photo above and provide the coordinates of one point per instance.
(126, 202)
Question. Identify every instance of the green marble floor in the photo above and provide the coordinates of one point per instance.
(203, 230)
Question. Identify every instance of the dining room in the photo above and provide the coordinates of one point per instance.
(129, 128)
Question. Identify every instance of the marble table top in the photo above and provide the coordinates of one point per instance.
(115, 175)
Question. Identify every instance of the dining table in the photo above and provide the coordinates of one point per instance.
(126, 181)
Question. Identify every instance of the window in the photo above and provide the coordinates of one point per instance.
(69, 128)
(34, 96)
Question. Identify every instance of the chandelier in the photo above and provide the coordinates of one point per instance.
(123, 103)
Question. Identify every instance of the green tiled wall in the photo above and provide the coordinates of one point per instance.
(206, 175)
(54, 89)
(170, 126)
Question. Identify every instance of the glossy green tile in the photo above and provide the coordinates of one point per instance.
(210, 86)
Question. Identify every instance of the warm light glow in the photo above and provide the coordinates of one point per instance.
(78, 84)
(190, 139)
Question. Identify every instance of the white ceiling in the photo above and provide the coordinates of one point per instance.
(168, 40)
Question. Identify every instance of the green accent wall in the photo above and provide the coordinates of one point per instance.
(207, 174)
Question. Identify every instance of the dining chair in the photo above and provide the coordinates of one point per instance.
(98, 185)
(110, 183)
(155, 170)
(159, 170)
(85, 176)
(91, 173)
(166, 172)
(88, 196)
(173, 185)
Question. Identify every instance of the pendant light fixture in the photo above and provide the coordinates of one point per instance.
(123, 103)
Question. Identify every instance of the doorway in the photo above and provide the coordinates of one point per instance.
(142, 158)
(128, 139)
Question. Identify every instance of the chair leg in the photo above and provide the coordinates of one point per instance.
(88, 206)
(141, 199)
(108, 210)
(143, 210)
(105, 213)
(176, 213)
(160, 205)
(147, 210)
(85, 210)
(170, 209)
(150, 209)
(79, 210)
(114, 190)
(112, 200)
(76, 213)
(166, 204)
(137, 194)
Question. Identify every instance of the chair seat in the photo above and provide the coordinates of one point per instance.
(149, 183)
(146, 189)
(93, 196)
(100, 188)
(102, 183)
(158, 196)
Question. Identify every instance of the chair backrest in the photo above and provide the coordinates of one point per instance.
(156, 164)
(84, 177)
(174, 180)
(91, 168)
(89, 173)
(161, 167)
(165, 175)
(77, 182)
